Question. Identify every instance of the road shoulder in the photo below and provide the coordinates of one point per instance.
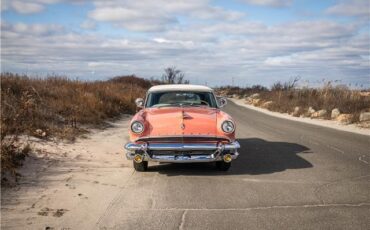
(323, 123)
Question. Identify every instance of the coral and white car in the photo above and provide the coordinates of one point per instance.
(181, 124)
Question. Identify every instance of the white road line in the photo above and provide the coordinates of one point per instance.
(259, 208)
(152, 194)
(181, 226)
(313, 142)
(361, 159)
(279, 181)
(336, 149)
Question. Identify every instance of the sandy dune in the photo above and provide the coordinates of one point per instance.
(68, 185)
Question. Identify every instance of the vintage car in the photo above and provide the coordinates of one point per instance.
(181, 124)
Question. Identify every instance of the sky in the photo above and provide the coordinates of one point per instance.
(240, 42)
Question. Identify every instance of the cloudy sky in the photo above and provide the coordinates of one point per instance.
(214, 42)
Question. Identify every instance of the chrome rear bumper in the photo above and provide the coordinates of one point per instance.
(178, 149)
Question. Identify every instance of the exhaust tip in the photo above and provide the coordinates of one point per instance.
(227, 158)
(138, 158)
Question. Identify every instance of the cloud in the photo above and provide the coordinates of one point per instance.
(31, 6)
(281, 60)
(216, 13)
(157, 16)
(88, 25)
(359, 8)
(210, 43)
(23, 7)
(133, 19)
(270, 3)
(185, 44)
(27, 30)
(251, 52)
(138, 16)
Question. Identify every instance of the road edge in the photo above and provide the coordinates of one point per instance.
(323, 123)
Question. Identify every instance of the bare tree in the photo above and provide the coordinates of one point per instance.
(292, 83)
(173, 76)
(289, 85)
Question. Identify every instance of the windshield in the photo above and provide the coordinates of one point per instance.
(176, 98)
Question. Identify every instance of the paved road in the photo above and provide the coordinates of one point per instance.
(290, 175)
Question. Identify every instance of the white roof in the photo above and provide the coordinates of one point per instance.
(180, 87)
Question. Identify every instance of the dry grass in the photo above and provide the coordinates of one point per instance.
(327, 98)
(59, 107)
(285, 98)
(241, 92)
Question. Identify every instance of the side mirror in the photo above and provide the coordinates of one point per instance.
(222, 102)
(139, 103)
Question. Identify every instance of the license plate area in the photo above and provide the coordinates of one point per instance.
(181, 153)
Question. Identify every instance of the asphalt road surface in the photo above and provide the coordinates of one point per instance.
(289, 175)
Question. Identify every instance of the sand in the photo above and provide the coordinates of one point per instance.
(68, 185)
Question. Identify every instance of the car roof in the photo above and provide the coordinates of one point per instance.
(180, 87)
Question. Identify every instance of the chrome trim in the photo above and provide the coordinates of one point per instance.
(218, 99)
(232, 145)
(181, 146)
(141, 124)
(134, 147)
(182, 158)
(222, 124)
(182, 136)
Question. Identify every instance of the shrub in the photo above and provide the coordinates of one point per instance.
(59, 107)
(285, 97)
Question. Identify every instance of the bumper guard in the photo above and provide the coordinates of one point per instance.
(218, 151)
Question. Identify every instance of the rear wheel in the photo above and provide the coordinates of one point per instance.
(141, 167)
(222, 165)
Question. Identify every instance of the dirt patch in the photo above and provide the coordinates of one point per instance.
(59, 212)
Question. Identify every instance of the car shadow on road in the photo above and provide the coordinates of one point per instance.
(257, 156)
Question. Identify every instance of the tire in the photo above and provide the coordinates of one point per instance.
(141, 167)
(222, 165)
